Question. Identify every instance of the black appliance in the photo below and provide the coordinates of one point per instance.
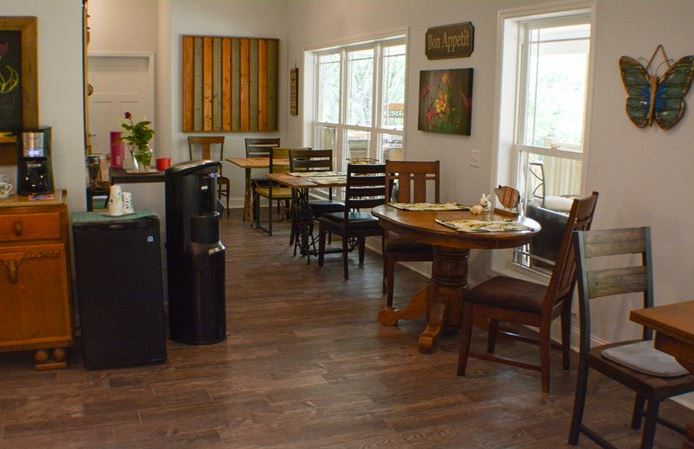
(34, 171)
(119, 287)
(195, 256)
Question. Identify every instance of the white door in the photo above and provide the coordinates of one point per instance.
(121, 84)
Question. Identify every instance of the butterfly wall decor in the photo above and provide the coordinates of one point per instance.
(651, 98)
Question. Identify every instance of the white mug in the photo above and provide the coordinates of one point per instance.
(5, 189)
(128, 203)
(115, 201)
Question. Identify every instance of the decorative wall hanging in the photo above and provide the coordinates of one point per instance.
(450, 41)
(230, 84)
(445, 101)
(294, 91)
(18, 82)
(652, 98)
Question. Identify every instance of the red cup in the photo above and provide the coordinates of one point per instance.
(163, 163)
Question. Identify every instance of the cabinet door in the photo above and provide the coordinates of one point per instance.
(34, 301)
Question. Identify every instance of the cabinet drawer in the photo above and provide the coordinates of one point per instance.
(36, 226)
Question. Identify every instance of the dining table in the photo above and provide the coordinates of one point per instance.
(248, 164)
(441, 300)
(674, 334)
(301, 185)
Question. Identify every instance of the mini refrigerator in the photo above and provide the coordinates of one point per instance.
(119, 289)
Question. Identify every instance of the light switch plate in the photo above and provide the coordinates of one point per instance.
(474, 158)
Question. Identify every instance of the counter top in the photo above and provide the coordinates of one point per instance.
(59, 197)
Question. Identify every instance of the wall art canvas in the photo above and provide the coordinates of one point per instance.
(10, 80)
(230, 84)
(445, 101)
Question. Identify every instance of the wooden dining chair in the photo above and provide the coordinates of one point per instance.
(408, 179)
(260, 147)
(653, 375)
(272, 191)
(508, 196)
(303, 160)
(366, 188)
(517, 301)
(205, 143)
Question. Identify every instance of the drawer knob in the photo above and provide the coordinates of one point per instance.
(18, 228)
(12, 272)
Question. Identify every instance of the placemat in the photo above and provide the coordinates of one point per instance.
(316, 174)
(484, 225)
(329, 180)
(100, 217)
(429, 206)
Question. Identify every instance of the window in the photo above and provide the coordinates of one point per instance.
(360, 100)
(544, 88)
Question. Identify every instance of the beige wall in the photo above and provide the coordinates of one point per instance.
(123, 25)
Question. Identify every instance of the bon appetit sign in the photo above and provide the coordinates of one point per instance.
(450, 41)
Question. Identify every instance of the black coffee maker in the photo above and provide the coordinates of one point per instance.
(195, 256)
(34, 172)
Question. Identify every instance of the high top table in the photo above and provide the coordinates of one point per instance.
(674, 334)
(249, 163)
(442, 299)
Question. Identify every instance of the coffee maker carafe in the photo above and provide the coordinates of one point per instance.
(34, 173)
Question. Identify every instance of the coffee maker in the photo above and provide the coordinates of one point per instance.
(34, 172)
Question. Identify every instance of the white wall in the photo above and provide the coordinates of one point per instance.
(60, 87)
(123, 25)
(248, 18)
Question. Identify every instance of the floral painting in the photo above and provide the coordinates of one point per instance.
(10, 80)
(445, 101)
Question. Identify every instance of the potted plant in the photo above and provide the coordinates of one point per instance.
(138, 137)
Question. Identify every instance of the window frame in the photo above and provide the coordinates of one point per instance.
(376, 130)
(510, 107)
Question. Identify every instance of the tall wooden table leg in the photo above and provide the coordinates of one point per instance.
(689, 438)
(441, 300)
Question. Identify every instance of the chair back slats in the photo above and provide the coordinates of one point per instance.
(305, 159)
(260, 147)
(204, 145)
(508, 196)
(412, 178)
(366, 186)
(615, 241)
(564, 273)
(617, 281)
(636, 278)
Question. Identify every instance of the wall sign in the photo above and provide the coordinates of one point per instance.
(230, 84)
(450, 41)
(294, 91)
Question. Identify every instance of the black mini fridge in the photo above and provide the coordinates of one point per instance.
(119, 289)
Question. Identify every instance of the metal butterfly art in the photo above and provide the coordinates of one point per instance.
(656, 99)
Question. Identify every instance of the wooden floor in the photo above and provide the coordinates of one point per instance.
(306, 366)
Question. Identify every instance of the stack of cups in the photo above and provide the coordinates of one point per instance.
(119, 202)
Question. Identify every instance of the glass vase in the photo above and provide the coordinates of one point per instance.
(142, 158)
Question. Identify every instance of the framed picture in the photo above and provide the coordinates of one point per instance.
(445, 101)
(18, 82)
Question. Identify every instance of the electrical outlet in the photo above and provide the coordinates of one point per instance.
(474, 158)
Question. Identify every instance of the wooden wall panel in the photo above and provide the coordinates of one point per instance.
(229, 84)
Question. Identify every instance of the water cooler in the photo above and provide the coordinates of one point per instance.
(195, 256)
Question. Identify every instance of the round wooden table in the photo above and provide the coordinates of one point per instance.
(442, 299)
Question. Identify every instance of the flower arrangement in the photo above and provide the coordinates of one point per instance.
(138, 137)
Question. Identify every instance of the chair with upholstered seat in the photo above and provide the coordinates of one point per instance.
(366, 188)
(653, 375)
(205, 144)
(505, 299)
(272, 191)
(408, 179)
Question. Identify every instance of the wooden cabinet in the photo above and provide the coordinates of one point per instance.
(35, 312)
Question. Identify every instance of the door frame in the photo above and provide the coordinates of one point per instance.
(150, 74)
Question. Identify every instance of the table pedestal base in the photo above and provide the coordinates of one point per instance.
(441, 300)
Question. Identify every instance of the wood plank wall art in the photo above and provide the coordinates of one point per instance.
(230, 84)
